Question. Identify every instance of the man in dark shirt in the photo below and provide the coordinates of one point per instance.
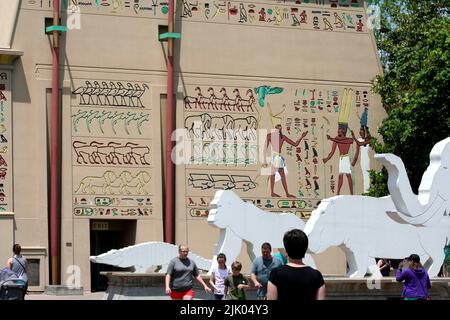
(295, 280)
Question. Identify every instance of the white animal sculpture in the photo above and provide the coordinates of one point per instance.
(390, 227)
(433, 201)
(144, 255)
(240, 221)
(360, 226)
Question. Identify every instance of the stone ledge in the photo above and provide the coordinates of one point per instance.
(59, 290)
(126, 285)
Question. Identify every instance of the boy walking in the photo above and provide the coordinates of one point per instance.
(236, 283)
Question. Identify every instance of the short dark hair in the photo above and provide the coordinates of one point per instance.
(296, 243)
(221, 255)
(17, 248)
(236, 265)
(266, 244)
(414, 258)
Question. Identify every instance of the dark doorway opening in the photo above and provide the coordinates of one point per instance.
(106, 235)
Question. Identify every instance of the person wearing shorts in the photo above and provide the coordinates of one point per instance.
(180, 276)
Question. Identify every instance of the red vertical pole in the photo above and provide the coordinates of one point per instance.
(170, 190)
(54, 154)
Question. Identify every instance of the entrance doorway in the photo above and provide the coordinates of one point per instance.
(106, 235)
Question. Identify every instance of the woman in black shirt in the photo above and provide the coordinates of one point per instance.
(295, 280)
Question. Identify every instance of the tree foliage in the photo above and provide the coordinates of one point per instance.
(414, 45)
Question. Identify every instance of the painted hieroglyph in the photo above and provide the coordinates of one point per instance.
(324, 15)
(112, 150)
(281, 147)
(6, 174)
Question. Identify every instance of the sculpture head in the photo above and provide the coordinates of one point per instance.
(426, 208)
(319, 226)
(224, 207)
(112, 257)
(437, 175)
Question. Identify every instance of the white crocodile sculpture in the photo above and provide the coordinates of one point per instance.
(144, 255)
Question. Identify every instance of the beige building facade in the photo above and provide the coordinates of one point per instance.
(241, 68)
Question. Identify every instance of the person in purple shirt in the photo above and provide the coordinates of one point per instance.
(415, 277)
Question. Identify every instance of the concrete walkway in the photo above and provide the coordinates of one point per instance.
(90, 296)
(85, 296)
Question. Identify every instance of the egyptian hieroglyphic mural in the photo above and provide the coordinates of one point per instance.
(338, 15)
(6, 196)
(234, 144)
(147, 8)
(325, 15)
(112, 150)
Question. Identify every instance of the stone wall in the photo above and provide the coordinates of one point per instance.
(130, 286)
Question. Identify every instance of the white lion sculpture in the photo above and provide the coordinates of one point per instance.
(240, 221)
(144, 255)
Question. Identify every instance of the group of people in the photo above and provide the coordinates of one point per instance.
(225, 281)
(282, 276)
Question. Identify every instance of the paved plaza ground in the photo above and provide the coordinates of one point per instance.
(85, 296)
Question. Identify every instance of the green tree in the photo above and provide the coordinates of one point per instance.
(414, 46)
